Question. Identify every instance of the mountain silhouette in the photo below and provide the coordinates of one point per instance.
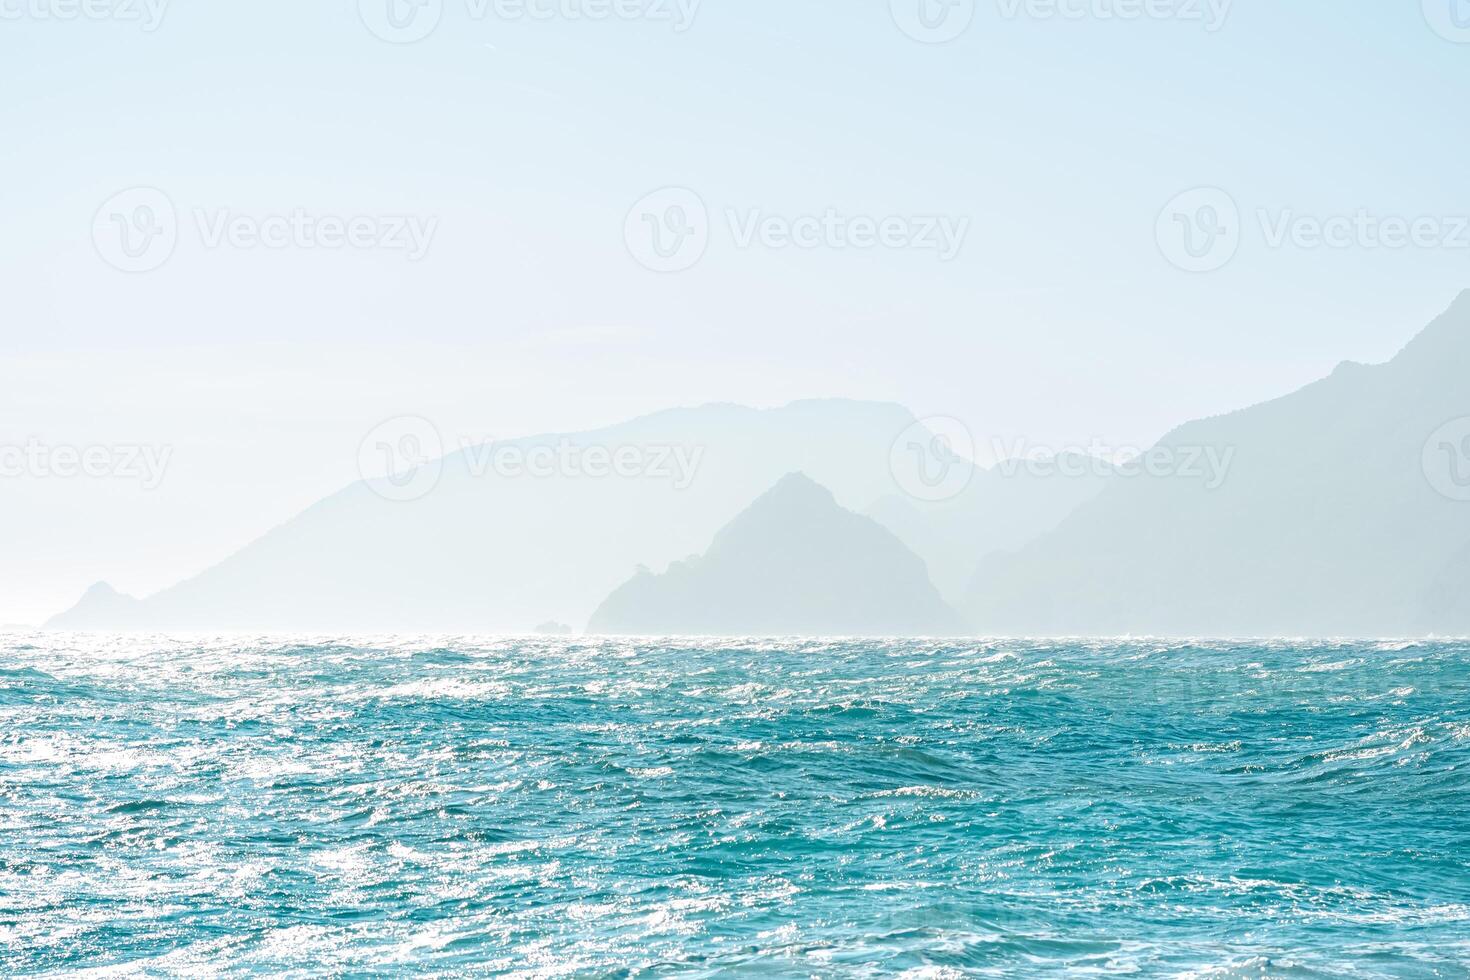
(793, 564)
(101, 608)
(486, 552)
(1337, 515)
(1339, 509)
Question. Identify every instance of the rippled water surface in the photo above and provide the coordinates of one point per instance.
(830, 809)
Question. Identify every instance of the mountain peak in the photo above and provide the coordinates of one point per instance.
(798, 485)
(100, 607)
(793, 563)
(101, 590)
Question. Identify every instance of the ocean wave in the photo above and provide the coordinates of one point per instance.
(331, 805)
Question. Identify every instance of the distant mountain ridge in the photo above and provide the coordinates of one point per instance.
(482, 553)
(1345, 510)
(1327, 524)
(792, 564)
(487, 553)
(102, 608)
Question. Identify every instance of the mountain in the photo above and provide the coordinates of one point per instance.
(101, 608)
(491, 551)
(793, 564)
(1342, 511)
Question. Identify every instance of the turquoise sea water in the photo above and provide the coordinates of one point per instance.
(553, 808)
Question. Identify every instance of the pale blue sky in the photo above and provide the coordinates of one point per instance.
(1059, 323)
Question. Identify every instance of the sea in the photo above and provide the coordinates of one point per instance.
(462, 806)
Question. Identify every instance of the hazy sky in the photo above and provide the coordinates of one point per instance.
(456, 228)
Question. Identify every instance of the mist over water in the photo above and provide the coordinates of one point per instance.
(826, 808)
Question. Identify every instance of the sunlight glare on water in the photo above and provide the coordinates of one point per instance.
(559, 807)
